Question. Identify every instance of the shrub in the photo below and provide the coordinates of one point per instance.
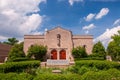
(90, 58)
(99, 49)
(112, 74)
(83, 70)
(43, 70)
(18, 66)
(19, 59)
(57, 77)
(15, 76)
(16, 52)
(101, 75)
(96, 56)
(101, 65)
(37, 51)
(79, 52)
(84, 66)
(7, 76)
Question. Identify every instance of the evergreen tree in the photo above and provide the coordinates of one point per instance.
(16, 52)
(11, 41)
(98, 48)
(113, 48)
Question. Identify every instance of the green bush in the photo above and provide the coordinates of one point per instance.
(90, 58)
(112, 74)
(15, 76)
(83, 69)
(16, 52)
(19, 59)
(101, 65)
(8, 76)
(37, 52)
(79, 52)
(18, 66)
(57, 77)
(97, 56)
(101, 75)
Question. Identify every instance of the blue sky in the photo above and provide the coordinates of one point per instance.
(100, 18)
(72, 16)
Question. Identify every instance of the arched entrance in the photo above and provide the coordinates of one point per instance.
(62, 54)
(54, 54)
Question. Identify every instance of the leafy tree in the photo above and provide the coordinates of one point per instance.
(79, 52)
(113, 48)
(37, 51)
(11, 41)
(98, 48)
(16, 52)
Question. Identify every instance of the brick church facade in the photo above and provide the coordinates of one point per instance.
(59, 42)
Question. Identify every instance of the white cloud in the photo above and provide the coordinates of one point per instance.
(103, 12)
(105, 38)
(117, 22)
(71, 2)
(90, 17)
(87, 28)
(19, 17)
(2, 38)
(91, 26)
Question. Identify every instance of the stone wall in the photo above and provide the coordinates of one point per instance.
(31, 40)
(65, 41)
(84, 41)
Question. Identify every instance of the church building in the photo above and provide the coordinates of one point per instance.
(60, 43)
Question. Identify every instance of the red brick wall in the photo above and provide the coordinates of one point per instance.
(4, 50)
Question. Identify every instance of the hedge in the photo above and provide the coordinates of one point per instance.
(57, 77)
(111, 74)
(15, 76)
(18, 66)
(19, 59)
(90, 58)
(101, 65)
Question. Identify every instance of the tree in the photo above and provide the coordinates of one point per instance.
(16, 52)
(98, 48)
(11, 41)
(79, 52)
(113, 48)
(37, 51)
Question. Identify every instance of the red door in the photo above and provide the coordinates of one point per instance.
(62, 54)
(53, 54)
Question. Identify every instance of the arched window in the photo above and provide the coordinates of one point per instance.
(53, 54)
(62, 54)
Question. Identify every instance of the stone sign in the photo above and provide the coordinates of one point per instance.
(57, 62)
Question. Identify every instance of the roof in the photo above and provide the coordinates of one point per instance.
(82, 37)
(33, 36)
(4, 50)
(58, 27)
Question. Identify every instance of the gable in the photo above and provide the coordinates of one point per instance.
(58, 29)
